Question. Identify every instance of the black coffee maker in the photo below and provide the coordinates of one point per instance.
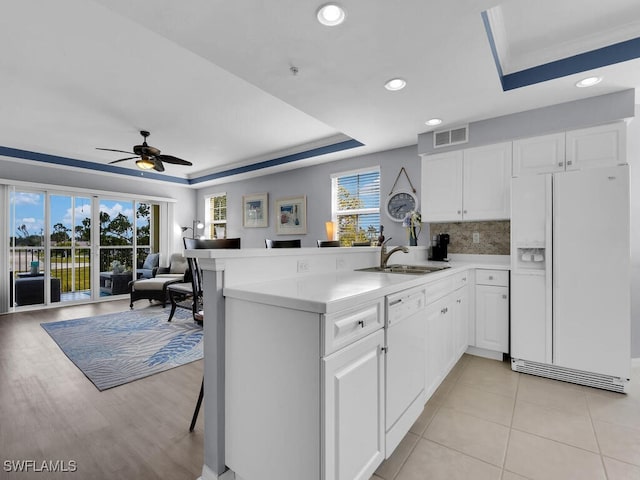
(439, 247)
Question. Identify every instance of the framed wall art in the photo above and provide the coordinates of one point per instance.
(291, 215)
(255, 210)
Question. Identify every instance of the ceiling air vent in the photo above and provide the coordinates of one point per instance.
(444, 138)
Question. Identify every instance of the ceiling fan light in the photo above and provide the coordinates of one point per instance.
(145, 163)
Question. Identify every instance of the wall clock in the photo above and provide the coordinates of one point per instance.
(400, 203)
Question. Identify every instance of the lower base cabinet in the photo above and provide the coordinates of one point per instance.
(354, 435)
(446, 328)
(304, 392)
(492, 310)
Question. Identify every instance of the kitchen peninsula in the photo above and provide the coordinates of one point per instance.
(301, 363)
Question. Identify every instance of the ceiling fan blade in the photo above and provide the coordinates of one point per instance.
(159, 167)
(174, 160)
(112, 150)
(122, 160)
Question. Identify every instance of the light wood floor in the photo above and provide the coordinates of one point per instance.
(50, 411)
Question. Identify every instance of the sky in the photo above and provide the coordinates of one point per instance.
(29, 210)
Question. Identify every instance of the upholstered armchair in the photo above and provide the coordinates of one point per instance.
(156, 288)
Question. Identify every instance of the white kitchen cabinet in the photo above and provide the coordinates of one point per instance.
(541, 154)
(354, 399)
(492, 310)
(471, 184)
(601, 146)
(442, 187)
(460, 309)
(436, 344)
(447, 316)
(487, 182)
(304, 392)
(593, 147)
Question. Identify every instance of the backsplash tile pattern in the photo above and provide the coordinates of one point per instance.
(495, 237)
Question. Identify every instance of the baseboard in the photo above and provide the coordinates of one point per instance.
(208, 474)
(482, 352)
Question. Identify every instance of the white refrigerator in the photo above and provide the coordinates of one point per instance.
(570, 270)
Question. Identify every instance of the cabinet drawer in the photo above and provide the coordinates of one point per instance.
(439, 289)
(461, 279)
(347, 326)
(492, 277)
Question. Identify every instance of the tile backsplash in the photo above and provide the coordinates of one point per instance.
(495, 236)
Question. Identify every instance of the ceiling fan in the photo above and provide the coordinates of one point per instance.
(148, 157)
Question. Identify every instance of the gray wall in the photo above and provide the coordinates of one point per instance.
(555, 118)
(315, 183)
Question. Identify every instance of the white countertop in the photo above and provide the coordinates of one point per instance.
(331, 292)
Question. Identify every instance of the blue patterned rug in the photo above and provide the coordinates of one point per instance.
(118, 348)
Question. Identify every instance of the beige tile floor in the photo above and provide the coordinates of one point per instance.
(487, 422)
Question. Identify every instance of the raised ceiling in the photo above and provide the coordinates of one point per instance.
(212, 81)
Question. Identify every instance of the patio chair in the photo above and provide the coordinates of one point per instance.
(156, 288)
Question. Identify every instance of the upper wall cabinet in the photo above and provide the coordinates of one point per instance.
(470, 184)
(534, 155)
(600, 146)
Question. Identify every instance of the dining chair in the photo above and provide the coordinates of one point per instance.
(283, 243)
(328, 243)
(189, 294)
(196, 292)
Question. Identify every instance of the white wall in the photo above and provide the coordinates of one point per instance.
(315, 183)
(633, 157)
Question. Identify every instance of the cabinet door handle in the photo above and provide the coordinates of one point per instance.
(395, 302)
(383, 349)
(464, 211)
(560, 164)
(504, 296)
(458, 212)
(490, 277)
(568, 162)
(459, 301)
(361, 323)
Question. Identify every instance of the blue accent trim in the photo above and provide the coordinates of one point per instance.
(492, 45)
(601, 57)
(582, 62)
(71, 162)
(336, 147)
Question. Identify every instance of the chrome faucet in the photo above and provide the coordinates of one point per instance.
(384, 256)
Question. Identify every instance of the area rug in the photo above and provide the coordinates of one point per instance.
(118, 348)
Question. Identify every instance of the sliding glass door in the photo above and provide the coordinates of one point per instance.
(70, 245)
(74, 248)
(27, 248)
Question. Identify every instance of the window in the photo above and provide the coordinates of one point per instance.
(355, 205)
(216, 215)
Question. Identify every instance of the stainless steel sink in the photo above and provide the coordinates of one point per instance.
(407, 269)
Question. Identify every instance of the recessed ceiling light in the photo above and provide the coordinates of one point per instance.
(433, 122)
(395, 84)
(588, 82)
(331, 15)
